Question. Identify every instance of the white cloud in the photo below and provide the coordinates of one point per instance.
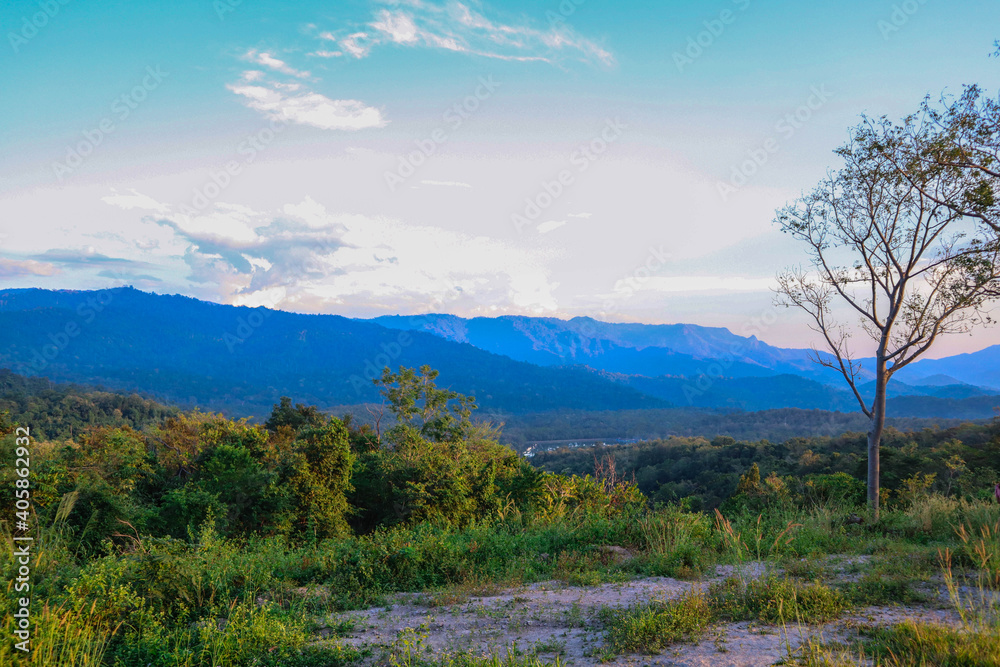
(550, 225)
(134, 200)
(309, 108)
(354, 44)
(267, 60)
(397, 265)
(301, 256)
(578, 215)
(398, 27)
(456, 27)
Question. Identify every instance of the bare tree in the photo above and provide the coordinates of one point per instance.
(910, 267)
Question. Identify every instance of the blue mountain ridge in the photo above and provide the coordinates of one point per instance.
(241, 360)
(680, 349)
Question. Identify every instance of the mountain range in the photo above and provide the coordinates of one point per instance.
(677, 349)
(241, 360)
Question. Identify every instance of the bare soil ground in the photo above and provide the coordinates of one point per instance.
(552, 618)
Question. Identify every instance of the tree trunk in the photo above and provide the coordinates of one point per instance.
(875, 434)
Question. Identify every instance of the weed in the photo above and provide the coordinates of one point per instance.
(651, 628)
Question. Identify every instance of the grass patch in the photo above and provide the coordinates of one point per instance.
(923, 644)
(873, 590)
(774, 600)
(651, 628)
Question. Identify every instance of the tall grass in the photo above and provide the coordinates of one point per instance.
(214, 601)
(61, 636)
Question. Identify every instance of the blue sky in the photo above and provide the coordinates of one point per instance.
(259, 152)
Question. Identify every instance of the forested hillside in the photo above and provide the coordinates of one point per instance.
(703, 473)
(242, 360)
(60, 411)
(520, 431)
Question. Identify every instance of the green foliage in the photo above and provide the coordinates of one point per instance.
(6, 425)
(321, 478)
(774, 600)
(416, 401)
(879, 589)
(911, 644)
(301, 416)
(815, 472)
(651, 628)
(838, 489)
(675, 542)
(189, 541)
(60, 411)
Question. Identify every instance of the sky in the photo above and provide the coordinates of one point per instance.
(554, 158)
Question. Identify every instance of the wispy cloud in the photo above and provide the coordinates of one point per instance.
(87, 257)
(451, 26)
(357, 44)
(267, 60)
(454, 26)
(133, 200)
(550, 225)
(290, 103)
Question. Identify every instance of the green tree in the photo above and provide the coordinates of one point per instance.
(415, 400)
(6, 425)
(254, 501)
(321, 479)
(297, 417)
(436, 465)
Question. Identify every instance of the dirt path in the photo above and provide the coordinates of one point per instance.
(551, 618)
